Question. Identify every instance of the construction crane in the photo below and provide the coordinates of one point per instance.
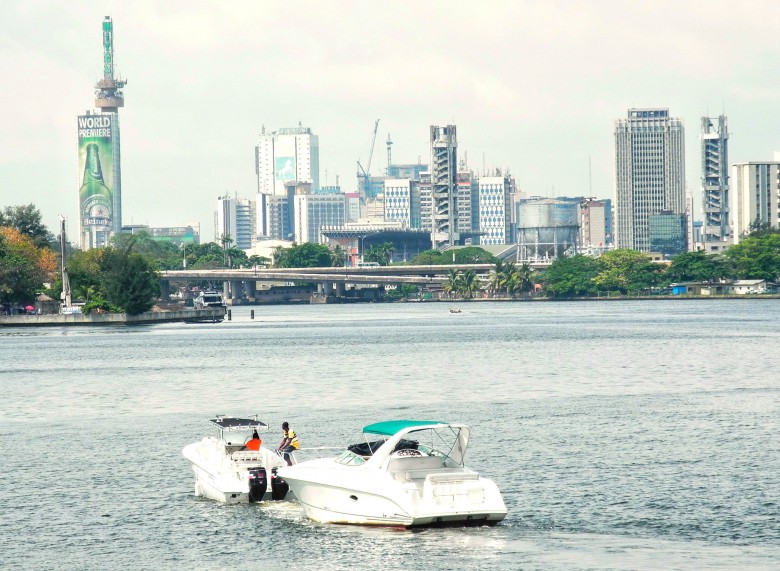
(365, 172)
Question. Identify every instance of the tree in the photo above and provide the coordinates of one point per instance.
(27, 220)
(453, 282)
(627, 270)
(756, 257)
(470, 283)
(129, 280)
(571, 276)
(338, 256)
(24, 267)
(381, 254)
(698, 266)
(307, 255)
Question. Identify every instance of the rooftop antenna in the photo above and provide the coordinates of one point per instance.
(389, 152)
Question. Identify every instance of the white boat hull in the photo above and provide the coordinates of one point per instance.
(450, 497)
(225, 478)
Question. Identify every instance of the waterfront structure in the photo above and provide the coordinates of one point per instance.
(313, 211)
(649, 173)
(547, 228)
(398, 201)
(715, 183)
(290, 154)
(235, 220)
(755, 196)
(494, 223)
(444, 215)
(99, 155)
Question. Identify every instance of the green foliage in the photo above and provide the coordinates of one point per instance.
(627, 270)
(571, 277)
(403, 291)
(23, 266)
(306, 255)
(27, 220)
(467, 255)
(757, 257)
(380, 254)
(511, 279)
(99, 305)
(129, 280)
(698, 266)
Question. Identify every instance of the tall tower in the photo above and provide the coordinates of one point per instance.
(100, 193)
(649, 175)
(715, 182)
(444, 166)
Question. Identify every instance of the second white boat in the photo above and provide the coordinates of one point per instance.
(414, 475)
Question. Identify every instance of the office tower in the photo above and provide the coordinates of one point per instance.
(287, 155)
(274, 217)
(235, 220)
(649, 173)
(313, 211)
(424, 194)
(494, 223)
(463, 199)
(755, 197)
(398, 201)
(715, 182)
(444, 215)
(352, 205)
(100, 188)
(595, 224)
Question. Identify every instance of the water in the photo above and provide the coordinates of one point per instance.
(624, 435)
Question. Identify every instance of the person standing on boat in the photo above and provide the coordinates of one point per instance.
(289, 443)
(254, 442)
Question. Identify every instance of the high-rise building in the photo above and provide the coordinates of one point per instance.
(274, 217)
(235, 220)
(595, 224)
(649, 173)
(422, 195)
(313, 211)
(464, 195)
(495, 214)
(286, 155)
(715, 183)
(100, 173)
(444, 163)
(755, 196)
(398, 201)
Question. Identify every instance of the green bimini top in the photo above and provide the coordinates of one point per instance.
(390, 427)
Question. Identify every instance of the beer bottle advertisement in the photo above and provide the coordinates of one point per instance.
(95, 160)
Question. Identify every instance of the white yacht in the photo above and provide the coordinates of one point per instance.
(208, 299)
(227, 472)
(413, 475)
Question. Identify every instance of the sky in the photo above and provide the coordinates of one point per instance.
(534, 86)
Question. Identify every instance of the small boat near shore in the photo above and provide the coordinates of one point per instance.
(455, 310)
(226, 471)
(413, 475)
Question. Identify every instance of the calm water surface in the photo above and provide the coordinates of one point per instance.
(624, 435)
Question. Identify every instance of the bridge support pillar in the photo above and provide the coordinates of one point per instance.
(226, 290)
(339, 289)
(251, 289)
(237, 289)
(165, 290)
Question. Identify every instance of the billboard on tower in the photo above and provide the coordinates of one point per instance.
(96, 168)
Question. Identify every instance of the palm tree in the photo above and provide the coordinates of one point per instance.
(338, 256)
(453, 282)
(470, 283)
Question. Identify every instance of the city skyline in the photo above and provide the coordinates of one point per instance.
(205, 81)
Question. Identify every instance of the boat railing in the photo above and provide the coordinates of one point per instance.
(311, 452)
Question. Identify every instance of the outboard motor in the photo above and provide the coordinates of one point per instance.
(279, 487)
(258, 484)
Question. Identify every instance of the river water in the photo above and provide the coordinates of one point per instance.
(623, 435)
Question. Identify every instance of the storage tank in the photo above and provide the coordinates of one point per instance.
(547, 228)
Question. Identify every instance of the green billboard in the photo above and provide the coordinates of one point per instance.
(96, 167)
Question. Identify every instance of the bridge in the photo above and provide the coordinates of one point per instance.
(330, 281)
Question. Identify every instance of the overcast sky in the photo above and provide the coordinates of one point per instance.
(533, 86)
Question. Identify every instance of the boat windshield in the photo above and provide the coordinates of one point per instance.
(348, 458)
(449, 442)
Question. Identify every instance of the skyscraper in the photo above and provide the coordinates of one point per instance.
(444, 203)
(756, 196)
(235, 220)
(100, 175)
(287, 155)
(649, 173)
(715, 182)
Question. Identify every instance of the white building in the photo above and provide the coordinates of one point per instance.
(312, 211)
(235, 219)
(649, 173)
(286, 155)
(495, 213)
(444, 201)
(755, 196)
(398, 201)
